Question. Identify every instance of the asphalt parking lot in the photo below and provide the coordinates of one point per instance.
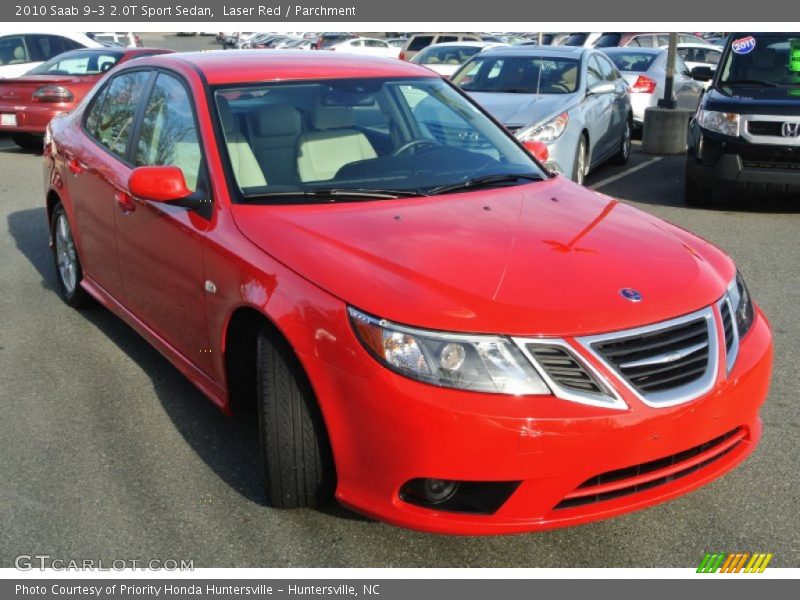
(108, 452)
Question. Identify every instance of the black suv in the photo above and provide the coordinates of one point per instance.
(746, 133)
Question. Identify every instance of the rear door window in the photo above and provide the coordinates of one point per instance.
(45, 47)
(419, 42)
(13, 50)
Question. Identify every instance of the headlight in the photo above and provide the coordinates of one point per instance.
(547, 132)
(467, 362)
(721, 122)
(742, 305)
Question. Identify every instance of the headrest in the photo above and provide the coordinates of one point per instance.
(333, 117)
(278, 119)
(19, 53)
(226, 115)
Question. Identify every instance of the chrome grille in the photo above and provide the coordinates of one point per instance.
(564, 368)
(765, 127)
(664, 364)
(727, 325)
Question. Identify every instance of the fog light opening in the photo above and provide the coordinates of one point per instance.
(439, 490)
(473, 497)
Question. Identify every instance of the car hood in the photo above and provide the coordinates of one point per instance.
(547, 258)
(753, 99)
(519, 110)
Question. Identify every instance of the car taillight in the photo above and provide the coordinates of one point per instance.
(53, 93)
(643, 85)
(138, 41)
(402, 55)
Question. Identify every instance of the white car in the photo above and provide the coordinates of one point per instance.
(446, 58)
(126, 39)
(700, 55)
(21, 52)
(368, 46)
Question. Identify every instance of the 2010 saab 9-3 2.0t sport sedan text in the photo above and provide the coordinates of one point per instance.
(436, 331)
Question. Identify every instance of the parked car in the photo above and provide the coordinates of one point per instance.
(29, 102)
(746, 132)
(21, 52)
(585, 40)
(446, 58)
(645, 70)
(118, 38)
(267, 42)
(366, 46)
(528, 391)
(327, 39)
(570, 98)
(397, 42)
(419, 41)
(700, 55)
(644, 40)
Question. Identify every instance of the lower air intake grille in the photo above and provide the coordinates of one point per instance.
(638, 478)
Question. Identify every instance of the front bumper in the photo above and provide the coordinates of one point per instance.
(386, 430)
(30, 118)
(716, 161)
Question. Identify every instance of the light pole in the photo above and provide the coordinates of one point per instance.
(667, 101)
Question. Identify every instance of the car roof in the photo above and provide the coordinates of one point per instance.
(468, 43)
(248, 66)
(555, 51)
(637, 49)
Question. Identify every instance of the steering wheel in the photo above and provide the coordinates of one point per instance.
(418, 142)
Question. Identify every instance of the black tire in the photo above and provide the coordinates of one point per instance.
(624, 153)
(69, 288)
(28, 141)
(694, 194)
(295, 451)
(581, 157)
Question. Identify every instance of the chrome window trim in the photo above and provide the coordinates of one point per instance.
(611, 399)
(774, 140)
(682, 394)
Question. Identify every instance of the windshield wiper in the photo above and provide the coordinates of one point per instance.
(483, 181)
(749, 82)
(332, 194)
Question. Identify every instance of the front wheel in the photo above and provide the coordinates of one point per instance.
(65, 257)
(624, 153)
(581, 158)
(295, 451)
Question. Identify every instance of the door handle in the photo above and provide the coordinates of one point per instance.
(125, 201)
(75, 167)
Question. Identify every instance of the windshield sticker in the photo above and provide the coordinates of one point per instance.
(744, 45)
(794, 57)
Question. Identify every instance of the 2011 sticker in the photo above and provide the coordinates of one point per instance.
(744, 45)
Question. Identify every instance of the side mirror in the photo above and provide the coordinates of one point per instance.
(604, 87)
(159, 184)
(702, 73)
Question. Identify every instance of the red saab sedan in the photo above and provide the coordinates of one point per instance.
(27, 103)
(435, 331)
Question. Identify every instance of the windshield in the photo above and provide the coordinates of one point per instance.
(78, 63)
(288, 141)
(519, 74)
(445, 55)
(762, 60)
(632, 60)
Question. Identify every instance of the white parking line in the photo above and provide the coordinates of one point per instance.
(618, 176)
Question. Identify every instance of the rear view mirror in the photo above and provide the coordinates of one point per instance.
(702, 73)
(159, 184)
(604, 87)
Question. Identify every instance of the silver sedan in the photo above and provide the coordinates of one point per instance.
(645, 70)
(572, 99)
